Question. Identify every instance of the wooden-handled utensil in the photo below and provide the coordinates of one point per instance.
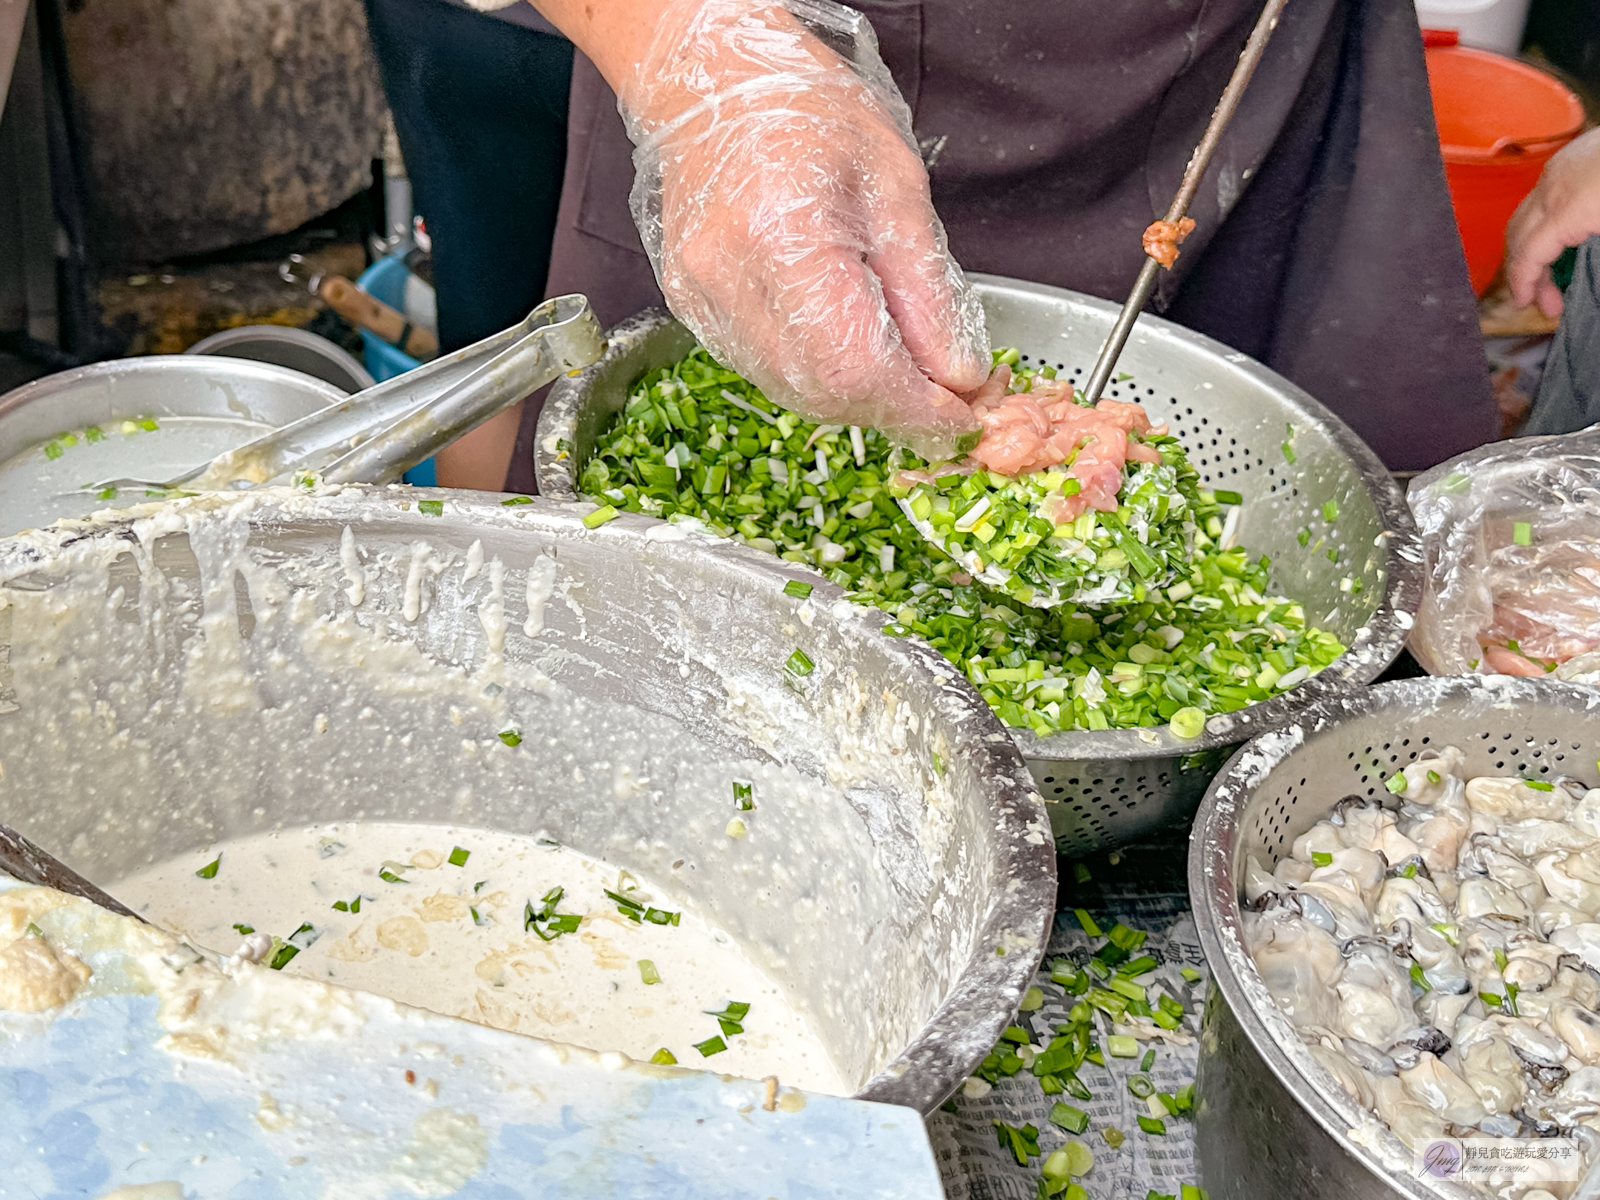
(372, 314)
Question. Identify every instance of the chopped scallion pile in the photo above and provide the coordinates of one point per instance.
(696, 441)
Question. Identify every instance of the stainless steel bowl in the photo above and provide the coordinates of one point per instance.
(1234, 416)
(231, 666)
(297, 349)
(1270, 1122)
(236, 400)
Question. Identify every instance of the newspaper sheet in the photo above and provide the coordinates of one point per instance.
(972, 1164)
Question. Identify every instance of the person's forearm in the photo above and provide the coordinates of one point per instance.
(618, 35)
(611, 33)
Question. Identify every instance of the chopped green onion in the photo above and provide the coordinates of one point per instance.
(648, 972)
(431, 508)
(1086, 921)
(52, 450)
(1228, 497)
(743, 796)
(1148, 1061)
(109, 493)
(249, 929)
(1073, 1120)
(458, 857)
(1418, 978)
(1121, 1046)
(513, 502)
(148, 424)
(1126, 987)
(712, 1045)
(664, 1057)
(1126, 939)
(1080, 873)
(1023, 1143)
(799, 664)
(1539, 785)
(597, 518)
(1321, 858)
(1435, 777)
(1396, 783)
(1153, 1125)
(1190, 974)
(1032, 1000)
(209, 871)
(1113, 1136)
(1288, 454)
(1522, 533)
(511, 737)
(282, 955)
(797, 589)
(93, 433)
(1142, 965)
(1141, 1086)
(1187, 723)
(1330, 511)
(389, 876)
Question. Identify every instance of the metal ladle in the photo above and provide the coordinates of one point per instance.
(377, 434)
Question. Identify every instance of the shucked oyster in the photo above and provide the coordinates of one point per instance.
(1439, 951)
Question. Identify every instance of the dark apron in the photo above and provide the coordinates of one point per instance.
(1055, 132)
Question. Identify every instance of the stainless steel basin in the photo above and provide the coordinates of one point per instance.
(213, 667)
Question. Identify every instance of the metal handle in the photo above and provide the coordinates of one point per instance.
(1198, 161)
(375, 435)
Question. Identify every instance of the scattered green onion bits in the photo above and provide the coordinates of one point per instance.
(209, 871)
(695, 441)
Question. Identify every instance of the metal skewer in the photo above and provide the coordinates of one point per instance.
(1198, 161)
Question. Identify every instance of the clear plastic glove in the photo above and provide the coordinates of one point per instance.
(786, 212)
(1562, 210)
(1511, 544)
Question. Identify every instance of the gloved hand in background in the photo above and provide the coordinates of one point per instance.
(788, 218)
(1562, 210)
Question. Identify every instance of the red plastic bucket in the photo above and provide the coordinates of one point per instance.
(1500, 120)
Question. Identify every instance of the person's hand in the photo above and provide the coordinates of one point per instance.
(789, 222)
(1562, 210)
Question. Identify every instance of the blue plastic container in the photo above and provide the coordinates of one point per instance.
(385, 280)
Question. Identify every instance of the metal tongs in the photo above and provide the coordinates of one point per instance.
(377, 434)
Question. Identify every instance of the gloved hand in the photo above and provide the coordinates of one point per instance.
(1562, 210)
(787, 215)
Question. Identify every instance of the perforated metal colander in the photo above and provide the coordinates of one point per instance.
(1358, 575)
(1271, 1123)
